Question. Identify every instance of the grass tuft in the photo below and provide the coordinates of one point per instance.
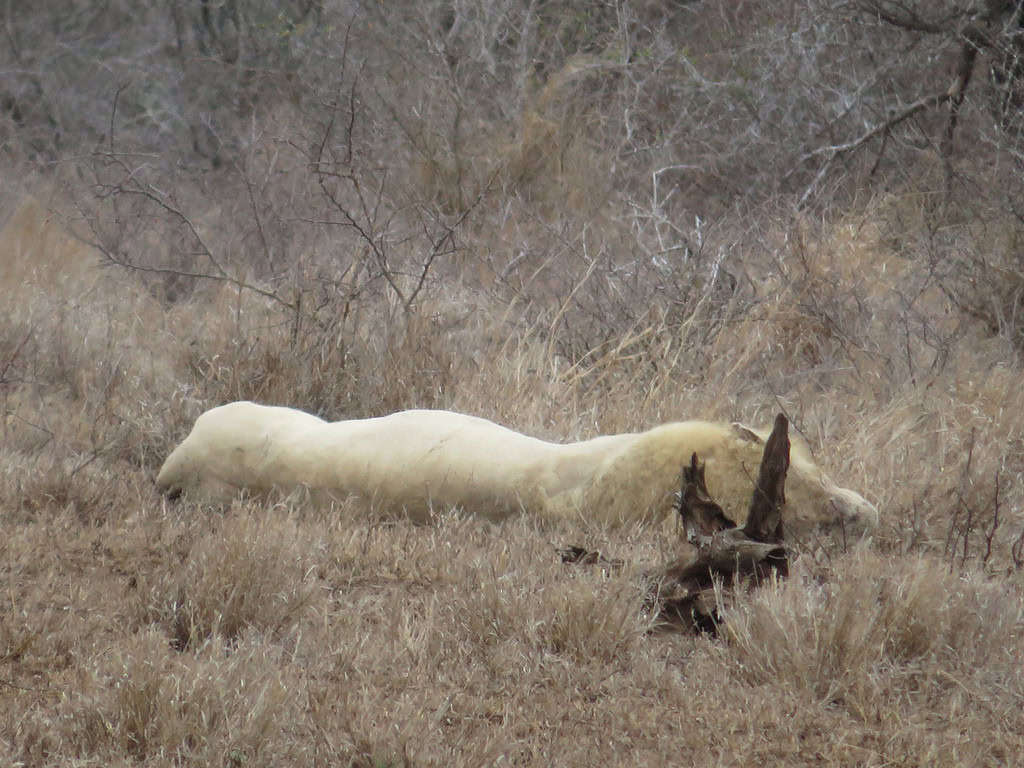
(247, 573)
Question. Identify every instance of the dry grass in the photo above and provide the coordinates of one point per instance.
(894, 641)
(138, 632)
(571, 218)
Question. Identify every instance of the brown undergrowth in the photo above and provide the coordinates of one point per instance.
(135, 631)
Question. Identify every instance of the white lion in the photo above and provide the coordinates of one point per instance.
(418, 461)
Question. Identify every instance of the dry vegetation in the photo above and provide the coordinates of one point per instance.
(573, 218)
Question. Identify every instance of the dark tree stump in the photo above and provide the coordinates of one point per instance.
(684, 591)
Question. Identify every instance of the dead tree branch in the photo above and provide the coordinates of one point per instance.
(834, 152)
(130, 185)
(701, 516)
(764, 522)
(689, 592)
(686, 588)
(993, 27)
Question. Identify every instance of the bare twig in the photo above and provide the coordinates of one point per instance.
(113, 113)
(9, 362)
(973, 36)
(835, 151)
(953, 535)
(968, 528)
(899, 15)
(1017, 552)
(255, 214)
(132, 186)
(448, 236)
(991, 532)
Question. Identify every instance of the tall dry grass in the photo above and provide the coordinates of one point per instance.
(274, 632)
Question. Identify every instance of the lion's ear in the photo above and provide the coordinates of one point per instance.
(746, 433)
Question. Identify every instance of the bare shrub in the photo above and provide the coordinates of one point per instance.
(982, 274)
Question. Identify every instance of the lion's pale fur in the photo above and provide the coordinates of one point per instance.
(421, 460)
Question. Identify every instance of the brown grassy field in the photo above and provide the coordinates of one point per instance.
(136, 631)
(573, 218)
